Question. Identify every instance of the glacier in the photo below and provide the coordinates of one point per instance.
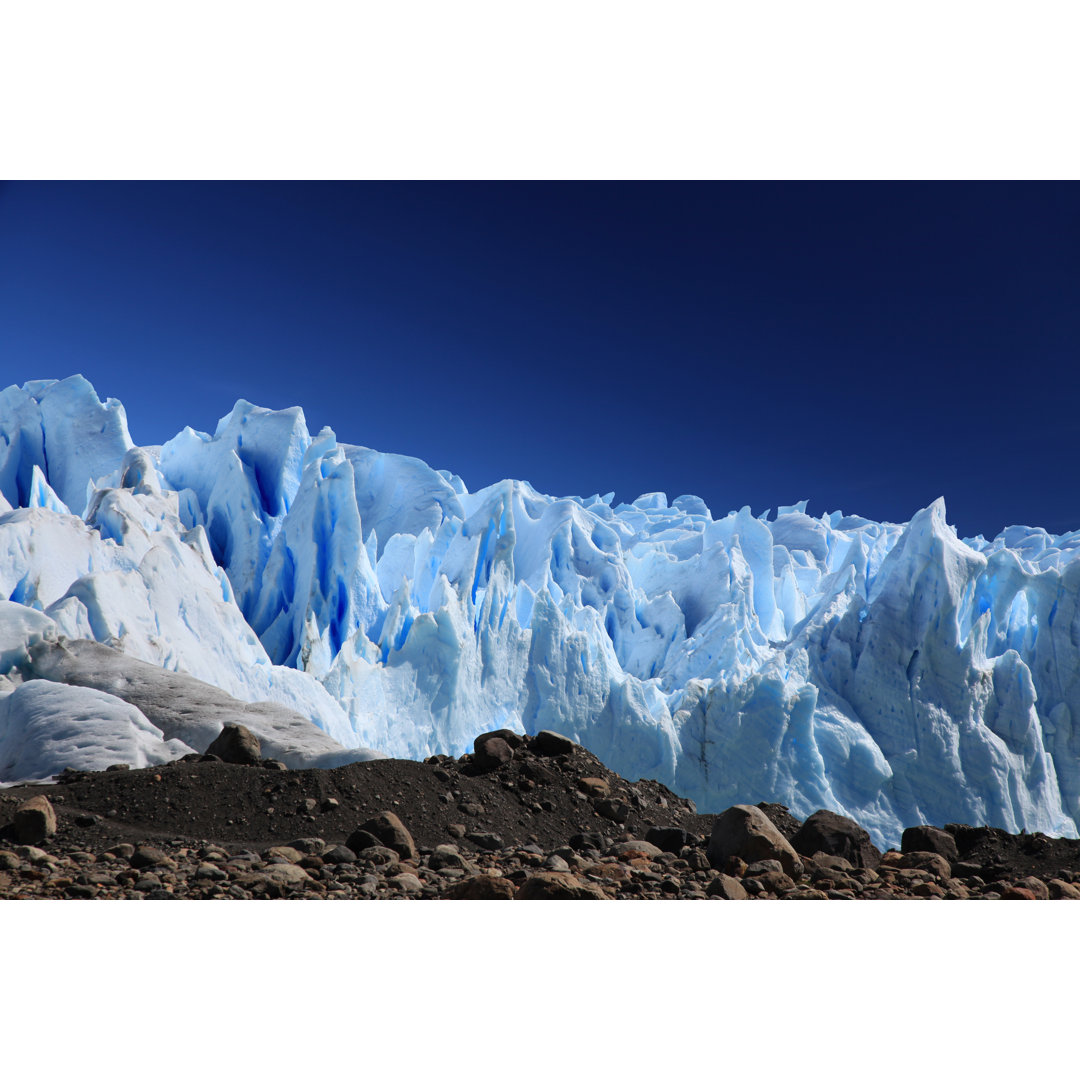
(352, 603)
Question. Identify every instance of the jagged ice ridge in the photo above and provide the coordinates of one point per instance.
(893, 673)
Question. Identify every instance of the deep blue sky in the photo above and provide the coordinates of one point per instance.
(866, 346)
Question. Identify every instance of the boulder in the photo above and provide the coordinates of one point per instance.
(835, 834)
(34, 821)
(481, 887)
(746, 832)
(555, 886)
(671, 839)
(1034, 885)
(634, 849)
(447, 856)
(613, 809)
(1062, 890)
(586, 841)
(594, 786)
(930, 861)
(551, 744)
(390, 832)
(237, 745)
(927, 838)
(511, 738)
(492, 753)
(727, 888)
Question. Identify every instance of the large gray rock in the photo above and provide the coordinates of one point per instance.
(237, 745)
(34, 821)
(835, 834)
(744, 831)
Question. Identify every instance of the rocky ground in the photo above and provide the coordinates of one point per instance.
(520, 818)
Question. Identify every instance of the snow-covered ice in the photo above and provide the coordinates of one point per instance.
(892, 672)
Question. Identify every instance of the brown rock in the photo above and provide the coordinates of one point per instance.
(481, 887)
(558, 886)
(613, 809)
(551, 744)
(835, 834)
(1034, 885)
(927, 838)
(1062, 890)
(390, 832)
(237, 745)
(34, 820)
(727, 888)
(745, 831)
(1011, 892)
(634, 849)
(492, 753)
(930, 861)
(595, 787)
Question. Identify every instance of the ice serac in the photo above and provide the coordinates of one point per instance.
(894, 673)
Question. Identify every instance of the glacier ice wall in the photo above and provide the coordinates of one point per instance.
(895, 673)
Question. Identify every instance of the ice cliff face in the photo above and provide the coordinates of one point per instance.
(894, 673)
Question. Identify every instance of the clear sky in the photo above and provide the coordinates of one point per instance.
(866, 346)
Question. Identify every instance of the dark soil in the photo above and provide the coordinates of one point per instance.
(221, 830)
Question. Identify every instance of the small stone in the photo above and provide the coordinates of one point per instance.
(122, 851)
(310, 805)
(271, 763)
(456, 831)
(551, 744)
(556, 863)
(329, 804)
(34, 821)
(236, 745)
(120, 766)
